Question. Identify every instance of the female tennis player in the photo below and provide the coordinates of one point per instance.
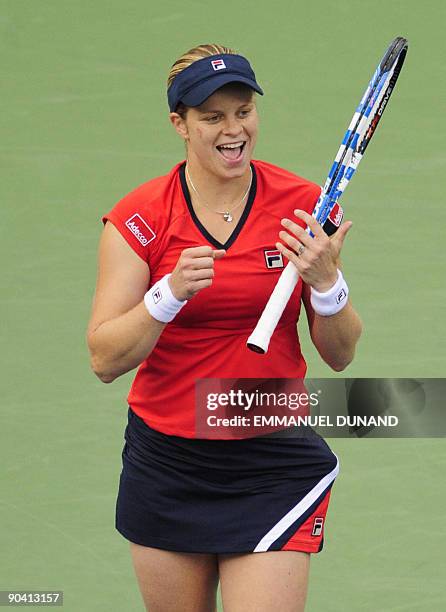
(187, 262)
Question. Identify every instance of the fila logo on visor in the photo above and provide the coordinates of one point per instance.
(140, 229)
(318, 523)
(273, 259)
(218, 64)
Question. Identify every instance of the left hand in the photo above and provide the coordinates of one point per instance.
(318, 260)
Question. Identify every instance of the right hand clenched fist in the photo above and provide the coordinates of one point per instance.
(194, 271)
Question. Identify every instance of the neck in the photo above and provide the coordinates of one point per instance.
(216, 192)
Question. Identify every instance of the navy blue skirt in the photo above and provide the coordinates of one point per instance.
(224, 496)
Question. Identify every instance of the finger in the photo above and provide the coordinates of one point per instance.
(197, 263)
(218, 253)
(311, 222)
(303, 236)
(202, 284)
(200, 251)
(343, 231)
(290, 255)
(293, 243)
(196, 275)
(339, 237)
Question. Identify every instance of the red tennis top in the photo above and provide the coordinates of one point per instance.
(207, 339)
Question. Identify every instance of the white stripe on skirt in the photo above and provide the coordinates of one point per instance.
(290, 517)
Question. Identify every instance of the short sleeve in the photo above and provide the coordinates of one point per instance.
(131, 219)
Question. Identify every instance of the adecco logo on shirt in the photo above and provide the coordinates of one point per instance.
(142, 231)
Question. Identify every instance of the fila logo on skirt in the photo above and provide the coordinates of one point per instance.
(318, 524)
(302, 531)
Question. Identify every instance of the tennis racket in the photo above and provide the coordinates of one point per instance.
(327, 211)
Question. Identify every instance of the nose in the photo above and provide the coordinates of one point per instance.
(233, 126)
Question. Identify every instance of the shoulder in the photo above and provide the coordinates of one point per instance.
(142, 214)
(146, 196)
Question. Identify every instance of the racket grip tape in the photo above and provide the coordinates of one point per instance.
(259, 340)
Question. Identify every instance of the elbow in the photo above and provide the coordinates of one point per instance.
(339, 365)
(98, 363)
(102, 374)
(101, 370)
(105, 378)
(342, 360)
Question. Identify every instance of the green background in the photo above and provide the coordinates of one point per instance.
(83, 121)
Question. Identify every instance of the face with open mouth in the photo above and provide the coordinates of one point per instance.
(221, 133)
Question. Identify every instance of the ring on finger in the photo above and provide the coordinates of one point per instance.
(300, 250)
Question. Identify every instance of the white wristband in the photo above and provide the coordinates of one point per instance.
(161, 302)
(332, 301)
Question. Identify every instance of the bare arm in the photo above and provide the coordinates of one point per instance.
(121, 332)
(335, 337)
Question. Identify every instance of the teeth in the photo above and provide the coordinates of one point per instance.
(231, 146)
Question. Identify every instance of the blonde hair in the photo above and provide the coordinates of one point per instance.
(194, 54)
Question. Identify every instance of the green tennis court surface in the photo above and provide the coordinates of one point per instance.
(84, 120)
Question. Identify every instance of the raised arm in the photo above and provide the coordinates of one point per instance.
(334, 336)
(121, 332)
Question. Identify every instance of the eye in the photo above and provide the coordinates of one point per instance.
(212, 118)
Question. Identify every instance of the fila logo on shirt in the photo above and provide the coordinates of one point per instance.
(318, 524)
(218, 64)
(273, 258)
(140, 229)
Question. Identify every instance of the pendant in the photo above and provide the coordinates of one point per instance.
(227, 217)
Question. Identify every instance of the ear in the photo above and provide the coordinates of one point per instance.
(180, 125)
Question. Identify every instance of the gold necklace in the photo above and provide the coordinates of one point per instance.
(226, 213)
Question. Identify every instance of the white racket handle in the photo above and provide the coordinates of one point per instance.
(258, 341)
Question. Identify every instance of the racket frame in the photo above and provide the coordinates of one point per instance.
(356, 139)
